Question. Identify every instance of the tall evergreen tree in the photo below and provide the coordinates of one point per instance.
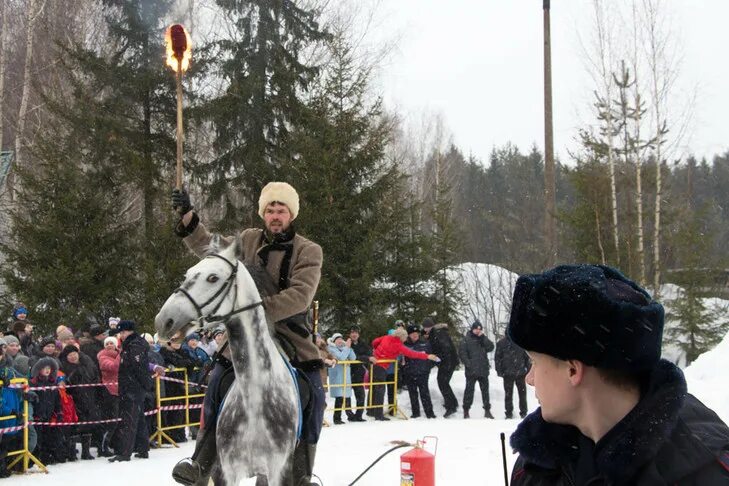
(442, 227)
(67, 255)
(120, 118)
(342, 174)
(406, 264)
(265, 78)
(697, 327)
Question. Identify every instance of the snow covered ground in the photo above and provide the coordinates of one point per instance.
(469, 451)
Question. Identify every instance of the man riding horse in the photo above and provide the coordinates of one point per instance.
(294, 264)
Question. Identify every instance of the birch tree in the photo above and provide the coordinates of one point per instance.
(663, 67)
(3, 61)
(34, 11)
(601, 62)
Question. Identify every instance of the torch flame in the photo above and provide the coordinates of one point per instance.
(178, 48)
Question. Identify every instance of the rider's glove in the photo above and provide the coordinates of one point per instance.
(181, 201)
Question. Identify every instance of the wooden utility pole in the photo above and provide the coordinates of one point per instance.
(550, 220)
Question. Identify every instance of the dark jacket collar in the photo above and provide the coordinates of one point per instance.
(627, 447)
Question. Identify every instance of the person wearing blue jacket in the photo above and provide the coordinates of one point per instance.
(340, 377)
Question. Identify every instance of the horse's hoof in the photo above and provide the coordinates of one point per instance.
(187, 472)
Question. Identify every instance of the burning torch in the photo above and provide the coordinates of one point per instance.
(179, 52)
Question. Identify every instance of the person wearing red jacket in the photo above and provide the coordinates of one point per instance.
(390, 347)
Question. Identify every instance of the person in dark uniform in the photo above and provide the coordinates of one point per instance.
(473, 351)
(612, 411)
(512, 365)
(444, 348)
(135, 380)
(416, 373)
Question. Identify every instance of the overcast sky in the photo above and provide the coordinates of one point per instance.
(479, 63)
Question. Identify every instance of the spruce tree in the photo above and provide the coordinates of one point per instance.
(265, 79)
(343, 177)
(120, 118)
(441, 227)
(68, 256)
(697, 327)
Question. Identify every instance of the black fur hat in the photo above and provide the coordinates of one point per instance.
(587, 312)
(42, 363)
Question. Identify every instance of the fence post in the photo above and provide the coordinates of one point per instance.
(187, 398)
(158, 404)
(24, 454)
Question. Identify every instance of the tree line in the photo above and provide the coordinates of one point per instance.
(280, 90)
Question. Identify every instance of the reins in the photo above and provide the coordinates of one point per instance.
(221, 293)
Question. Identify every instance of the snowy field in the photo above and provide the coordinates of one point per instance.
(469, 451)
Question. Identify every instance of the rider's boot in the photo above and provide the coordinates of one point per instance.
(196, 469)
(303, 466)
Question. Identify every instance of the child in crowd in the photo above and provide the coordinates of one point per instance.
(47, 409)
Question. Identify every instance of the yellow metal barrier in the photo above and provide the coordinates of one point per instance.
(23, 454)
(160, 434)
(392, 407)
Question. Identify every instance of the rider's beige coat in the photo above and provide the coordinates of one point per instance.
(304, 274)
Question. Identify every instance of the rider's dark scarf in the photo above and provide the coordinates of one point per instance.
(283, 241)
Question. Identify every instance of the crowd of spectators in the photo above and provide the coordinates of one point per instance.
(98, 382)
(117, 366)
(417, 349)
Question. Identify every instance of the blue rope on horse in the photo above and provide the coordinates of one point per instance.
(293, 372)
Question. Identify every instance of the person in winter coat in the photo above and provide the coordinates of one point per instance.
(50, 448)
(474, 351)
(416, 374)
(328, 358)
(18, 360)
(81, 370)
(109, 359)
(390, 347)
(135, 381)
(363, 351)
(11, 404)
(340, 377)
(23, 330)
(175, 357)
(512, 365)
(94, 344)
(612, 411)
(46, 349)
(444, 348)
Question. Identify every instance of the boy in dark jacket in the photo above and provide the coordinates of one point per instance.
(612, 412)
(50, 448)
(416, 373)
(474, 351)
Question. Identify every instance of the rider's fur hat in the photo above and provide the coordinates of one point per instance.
(587, 312)
(279, 192)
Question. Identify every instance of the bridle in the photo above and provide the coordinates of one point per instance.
(221, 293)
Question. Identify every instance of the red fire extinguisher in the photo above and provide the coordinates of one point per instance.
(417, 466)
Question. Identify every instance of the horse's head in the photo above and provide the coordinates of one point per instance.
(207, 293)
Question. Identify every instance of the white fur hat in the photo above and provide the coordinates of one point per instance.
(111, 339)
(281, 192)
